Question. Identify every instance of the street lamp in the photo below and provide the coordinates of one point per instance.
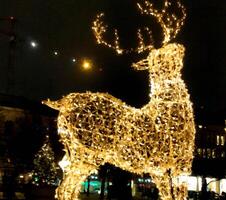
(86, 65)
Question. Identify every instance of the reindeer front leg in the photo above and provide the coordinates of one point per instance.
(65, 190)
(76, 173)
(72, 182)
(81, 174)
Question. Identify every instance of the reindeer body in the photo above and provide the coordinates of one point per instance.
(96, 128)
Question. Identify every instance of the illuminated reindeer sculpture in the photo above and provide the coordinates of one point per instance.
(157, 139)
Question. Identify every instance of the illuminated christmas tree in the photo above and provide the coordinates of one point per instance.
(45, 168)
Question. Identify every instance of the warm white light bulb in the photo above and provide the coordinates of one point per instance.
(86, 64)
(33, 44)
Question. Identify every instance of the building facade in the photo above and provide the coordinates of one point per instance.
(23, 126)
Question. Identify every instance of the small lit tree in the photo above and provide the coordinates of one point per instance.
(45, 168)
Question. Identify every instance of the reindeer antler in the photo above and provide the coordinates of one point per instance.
(171, 24)
(99, 28)
(142, 46)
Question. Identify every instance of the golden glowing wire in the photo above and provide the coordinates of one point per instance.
(157, 139)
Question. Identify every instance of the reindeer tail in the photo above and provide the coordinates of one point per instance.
(52, 104)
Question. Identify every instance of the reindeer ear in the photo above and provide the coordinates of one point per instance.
(141, 65)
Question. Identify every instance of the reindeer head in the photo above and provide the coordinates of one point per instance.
(164, 63)
(158, 59)
(61, 104)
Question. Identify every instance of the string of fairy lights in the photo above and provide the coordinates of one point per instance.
(99, 29)
(85, 63)
(170, 24)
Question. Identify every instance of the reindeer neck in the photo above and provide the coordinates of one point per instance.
(170, 90)
(164, 85)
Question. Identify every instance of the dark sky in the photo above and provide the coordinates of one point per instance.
(65, 26)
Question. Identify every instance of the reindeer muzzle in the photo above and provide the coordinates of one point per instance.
(52, 104)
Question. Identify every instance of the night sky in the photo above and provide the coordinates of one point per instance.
(65, 27)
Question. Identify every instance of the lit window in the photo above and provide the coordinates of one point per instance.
(222, 140)
(218, 140)
(213, 153)
(225, 126)
(209, 153)
(200, 126)
(199, 152)
(204, 153)
(222, 154)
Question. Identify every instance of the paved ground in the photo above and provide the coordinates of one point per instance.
(19, 195)
(83, 197)
(96, 197)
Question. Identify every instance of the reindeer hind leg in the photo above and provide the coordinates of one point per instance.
(168, 188)
(163, 184)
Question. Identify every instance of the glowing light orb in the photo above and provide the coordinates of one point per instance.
(33, 44)
(86, 65)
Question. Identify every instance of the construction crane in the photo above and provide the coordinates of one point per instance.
(10, 33)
